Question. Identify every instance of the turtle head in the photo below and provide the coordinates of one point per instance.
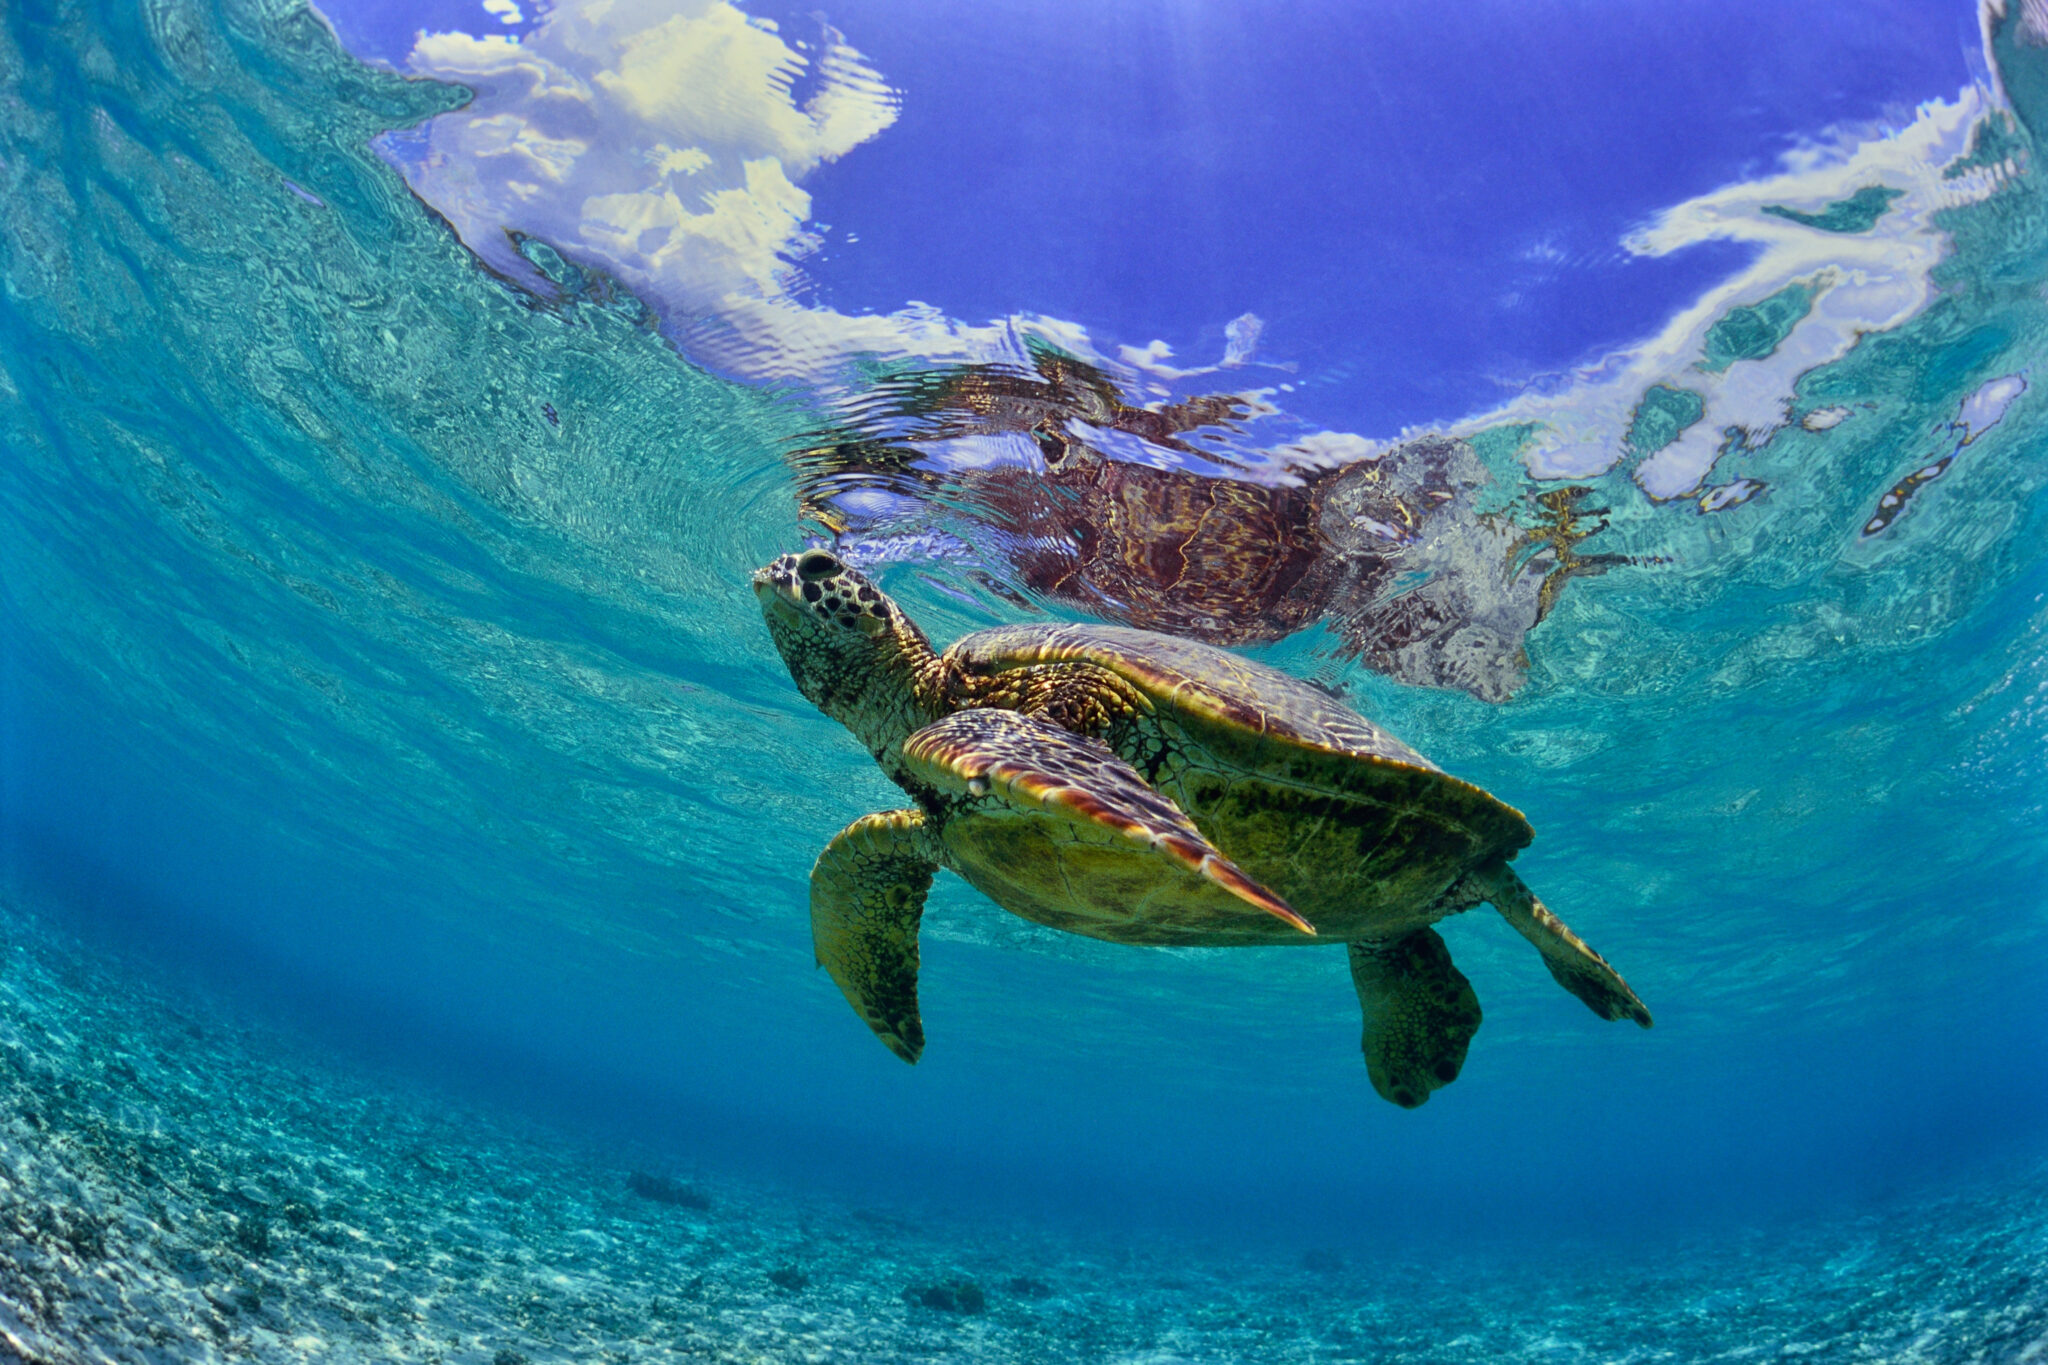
(850, 649)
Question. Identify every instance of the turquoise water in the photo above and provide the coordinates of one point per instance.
(378, 658)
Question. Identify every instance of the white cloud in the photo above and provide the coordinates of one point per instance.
(739, 235)
(1330, 448)
(1865, 282)
(666, 144)
(661, 144)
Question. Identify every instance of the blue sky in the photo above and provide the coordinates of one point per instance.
(1412, 201)
(1425, 205)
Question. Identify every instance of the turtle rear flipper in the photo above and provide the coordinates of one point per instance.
(1420, 1014)
(1575, 966)
(1038, 810)
(867, 898)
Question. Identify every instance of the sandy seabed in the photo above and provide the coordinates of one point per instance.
(181, 1183)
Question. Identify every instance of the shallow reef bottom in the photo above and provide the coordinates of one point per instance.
(178, 1183)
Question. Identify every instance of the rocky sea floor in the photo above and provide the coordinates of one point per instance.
(178, 1183)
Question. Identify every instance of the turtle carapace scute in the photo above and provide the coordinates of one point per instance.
(1143, 789)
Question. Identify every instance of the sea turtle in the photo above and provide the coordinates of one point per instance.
(1394, 551)
(1145, 789)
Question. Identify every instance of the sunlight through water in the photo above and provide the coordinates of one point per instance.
(406, 818)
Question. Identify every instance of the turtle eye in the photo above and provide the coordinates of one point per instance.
(816, 564)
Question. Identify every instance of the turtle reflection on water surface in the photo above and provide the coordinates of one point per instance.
(1144, 789)
(1394, 552)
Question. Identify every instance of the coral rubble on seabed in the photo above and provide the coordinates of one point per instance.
(179, 1185)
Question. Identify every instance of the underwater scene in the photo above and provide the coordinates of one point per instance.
(1166, 682)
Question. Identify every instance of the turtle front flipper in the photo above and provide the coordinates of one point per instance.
(867, 897)
(1061, 820)
(1420, 1014)
(1575, 966)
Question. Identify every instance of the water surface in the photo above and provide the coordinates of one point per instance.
(378, 655)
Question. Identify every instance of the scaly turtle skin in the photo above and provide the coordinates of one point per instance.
(1393, 551)
(1142, 789)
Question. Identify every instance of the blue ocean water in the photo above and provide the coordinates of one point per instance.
(377, 665)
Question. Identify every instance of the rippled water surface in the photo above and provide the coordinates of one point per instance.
(377, 655)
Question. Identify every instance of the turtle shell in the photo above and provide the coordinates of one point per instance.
(1355, 829)
(1224, 561)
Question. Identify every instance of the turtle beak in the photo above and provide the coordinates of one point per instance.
(776, 582)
